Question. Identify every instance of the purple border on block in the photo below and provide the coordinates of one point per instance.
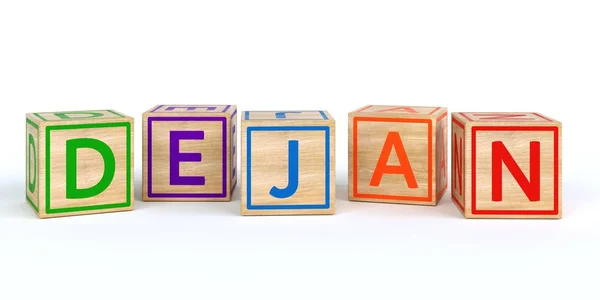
(223, 194)
(224, 110)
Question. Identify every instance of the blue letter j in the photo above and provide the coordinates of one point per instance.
(293, 161)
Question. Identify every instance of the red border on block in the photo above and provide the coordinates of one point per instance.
(474, 209)
(462, 208)
(429, 197)
(443, 190)
(515, 120)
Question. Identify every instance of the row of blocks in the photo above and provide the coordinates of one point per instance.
(503, 165)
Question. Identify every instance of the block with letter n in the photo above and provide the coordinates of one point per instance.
(397, 154)
(189, 153)
(79, 162)
(506, 165)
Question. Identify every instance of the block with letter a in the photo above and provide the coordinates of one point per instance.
(506, 165)
(398, 154)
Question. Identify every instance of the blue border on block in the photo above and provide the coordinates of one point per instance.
(247, 115)
(249, 130)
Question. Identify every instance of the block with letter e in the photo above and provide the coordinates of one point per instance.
(397, 154)
(79, 162)
(288, 163)
(189, 153)
(506, 165)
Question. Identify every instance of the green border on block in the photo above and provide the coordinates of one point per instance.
(32, 204)
(39, 116)
(117, 115)
(27, 179)
(50, 210)
(32, 123)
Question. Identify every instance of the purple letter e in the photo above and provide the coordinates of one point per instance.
(177, 157)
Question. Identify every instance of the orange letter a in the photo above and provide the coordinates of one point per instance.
(393, 141)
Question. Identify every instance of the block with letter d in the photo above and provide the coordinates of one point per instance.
(397, 154)
(79, 162)
(506, 165)
(288, 163)
(189, 153)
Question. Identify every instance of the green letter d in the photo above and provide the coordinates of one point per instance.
(109, 168)
(30, 156)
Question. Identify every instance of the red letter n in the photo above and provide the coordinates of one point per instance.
(530, 187)
(457, 159)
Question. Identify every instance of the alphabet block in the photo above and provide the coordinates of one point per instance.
(506, 165)
(79, 162)
(397, 154)
(288, 163)
(189, 153)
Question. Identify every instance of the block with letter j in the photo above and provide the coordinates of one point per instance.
(189, 153)
(79, 162)
(288, 163)
(506, 165)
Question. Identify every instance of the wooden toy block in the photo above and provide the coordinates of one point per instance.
(79, 162)
(189, 153)
(506, 165)
(288, 163)
(397, 154)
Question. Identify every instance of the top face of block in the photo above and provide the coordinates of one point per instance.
(193, 108)
(83, 115)
(289, 115)
(511, 117)
(404, 111)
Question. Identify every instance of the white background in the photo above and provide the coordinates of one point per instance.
(337, 55)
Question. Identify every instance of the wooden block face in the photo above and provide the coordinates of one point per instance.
(191, 108)
(399, 110)
(441, 156)
(392, 160)
(458, 153)
(288, 170)
(88, 167)
(33, 165)
(78, 115)
(515, 171)
(188, 157)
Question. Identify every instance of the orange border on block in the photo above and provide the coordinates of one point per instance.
(369, 106)
(429, 197)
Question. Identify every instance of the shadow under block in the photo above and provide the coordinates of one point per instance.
(288, 163)
(79, 162)
(397, 154)
(189, 153)
(506, 165)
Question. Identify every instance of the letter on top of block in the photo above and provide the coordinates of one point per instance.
(84, 165)
(189, 152)
(506, 165)
(288, 163)
(398, 154)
